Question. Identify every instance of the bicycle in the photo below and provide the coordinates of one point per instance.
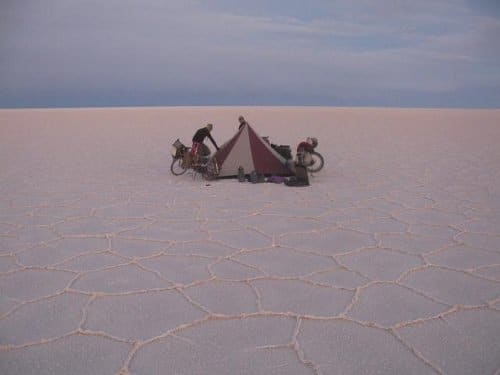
(202, 163)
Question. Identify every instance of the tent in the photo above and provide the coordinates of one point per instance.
(248, 150)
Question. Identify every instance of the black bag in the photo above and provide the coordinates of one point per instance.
(301, 177)
(283, 150)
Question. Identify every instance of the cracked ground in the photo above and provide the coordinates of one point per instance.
(388, 263)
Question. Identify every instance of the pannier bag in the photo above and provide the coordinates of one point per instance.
(177, 147)
(300, 179)
(283, 150)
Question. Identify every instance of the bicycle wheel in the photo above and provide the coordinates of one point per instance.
(318, 162)
(176, 167)
(211, 170)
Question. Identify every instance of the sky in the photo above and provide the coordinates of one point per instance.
(398, 53)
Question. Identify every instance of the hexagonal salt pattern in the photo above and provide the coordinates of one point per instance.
(389, 263)
(255, 345)
(443, 340)
(330, 346)
(47, 318)
(75, 354)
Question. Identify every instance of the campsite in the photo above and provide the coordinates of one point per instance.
(247, 151)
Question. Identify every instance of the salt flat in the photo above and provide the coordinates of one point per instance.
(388, 263)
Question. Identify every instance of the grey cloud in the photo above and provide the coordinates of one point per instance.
(342, 51)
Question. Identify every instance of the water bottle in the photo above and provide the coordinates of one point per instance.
(241, 174)
(253, 177)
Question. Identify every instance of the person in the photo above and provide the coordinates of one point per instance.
(242, 121)
(199, 137)
(304, 150)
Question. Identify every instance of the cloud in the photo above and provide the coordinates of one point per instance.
(222, 49)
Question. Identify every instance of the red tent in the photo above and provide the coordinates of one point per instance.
(248, 150)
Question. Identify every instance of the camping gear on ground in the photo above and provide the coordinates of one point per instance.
(203, 163)
(248, 150)
(301, 174)
(300, 179)
(308, 157)
(253, 177)
(276, 179)
(256, 178)
(292, 181)
(241, 174)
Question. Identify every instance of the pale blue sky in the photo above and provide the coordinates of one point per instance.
(426, 53)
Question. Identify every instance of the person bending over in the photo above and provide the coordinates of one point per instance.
(199, 148)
